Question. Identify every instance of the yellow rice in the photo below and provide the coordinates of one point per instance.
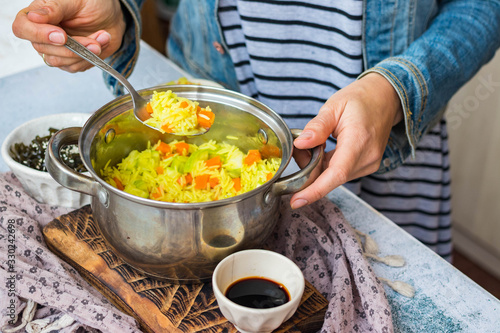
(154, 175)
(168, 111)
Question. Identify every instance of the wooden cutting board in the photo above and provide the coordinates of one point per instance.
(157, 305)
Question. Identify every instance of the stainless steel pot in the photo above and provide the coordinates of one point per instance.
(181, 242)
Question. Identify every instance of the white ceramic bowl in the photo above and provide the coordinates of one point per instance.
(257, 263)
(39, 184)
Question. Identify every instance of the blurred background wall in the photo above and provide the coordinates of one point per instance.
(474, 128)
(15, 54)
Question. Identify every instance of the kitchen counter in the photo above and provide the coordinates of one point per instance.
(445, 300)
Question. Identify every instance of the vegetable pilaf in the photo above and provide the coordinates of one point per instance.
(182, 172)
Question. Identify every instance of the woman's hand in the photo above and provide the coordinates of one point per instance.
(360, 117)
(98, 25)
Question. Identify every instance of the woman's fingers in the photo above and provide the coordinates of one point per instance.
(77, 67)
(339, 171)
(51, 11)
(60, 56)
(91, 42)
(357, 154)
(67, 64)
(41, 24)
(37, 32)
(360, 117)
(39, 21)
(317, 131)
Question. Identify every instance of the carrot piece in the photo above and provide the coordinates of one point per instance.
(200, 182)
(159, 170)
(181, 181)
(182, 148)
(119, 184)
(213, 181)
(166, 128)
(214, 162)
(269, 176)
(237, 184)
(189, 178)
(157, 194)
(252, 157)
(164, 148)
(270, 151)
(149, 108)
(185, 179)
(205, 118)
(184, 104)
(167, 156)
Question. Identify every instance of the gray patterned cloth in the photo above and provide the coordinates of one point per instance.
(41, 293)
(325, 247)
(32, 272)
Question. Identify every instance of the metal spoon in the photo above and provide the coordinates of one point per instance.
(140, 103)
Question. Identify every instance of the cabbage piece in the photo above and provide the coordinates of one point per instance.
(179, 163)
(199, 155)
(234, 162)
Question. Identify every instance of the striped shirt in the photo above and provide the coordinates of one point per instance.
(417, 195)
(292, 55)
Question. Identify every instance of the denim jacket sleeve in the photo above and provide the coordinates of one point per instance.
(462, 37)
(125, 58)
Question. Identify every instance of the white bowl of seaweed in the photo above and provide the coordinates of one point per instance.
(24, 152)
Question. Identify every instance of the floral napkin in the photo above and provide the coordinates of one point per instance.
(44, 291)
(41, 293)
(325, 247)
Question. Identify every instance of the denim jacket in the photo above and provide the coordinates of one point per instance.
(427, 49)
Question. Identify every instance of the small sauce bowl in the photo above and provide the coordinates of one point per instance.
(257, 263)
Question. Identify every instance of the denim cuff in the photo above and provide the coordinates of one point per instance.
(412, 89)
(125, 58)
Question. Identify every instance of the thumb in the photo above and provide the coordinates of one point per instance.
(102, 37)
(39, 22)
(340, 170)
(317, 131)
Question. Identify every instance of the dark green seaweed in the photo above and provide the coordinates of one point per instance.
(33, 155)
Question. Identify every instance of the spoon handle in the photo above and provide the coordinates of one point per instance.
(86, 54)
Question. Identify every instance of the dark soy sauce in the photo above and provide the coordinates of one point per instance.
(257, 292)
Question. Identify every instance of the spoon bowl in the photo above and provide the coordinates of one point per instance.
(140, 104)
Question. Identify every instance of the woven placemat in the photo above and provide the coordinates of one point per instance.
(157, 305)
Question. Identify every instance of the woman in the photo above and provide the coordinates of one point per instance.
(379, 73)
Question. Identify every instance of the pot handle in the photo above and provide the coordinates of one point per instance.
(63, 174)
(298, 180)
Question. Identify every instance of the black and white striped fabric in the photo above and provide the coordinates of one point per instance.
(417, 195)
(293, 55)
